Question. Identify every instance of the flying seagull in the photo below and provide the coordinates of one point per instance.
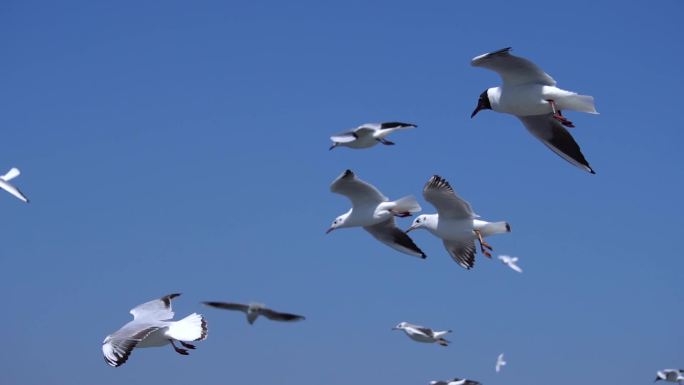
(510, 262)
(152, 327)
(455, 381)
(368, 135)
(375, 213)
(670, 375)
(531, 94)
(254, 310)
(5, 185)
(456, 223)
(423, 334)
(500, 362)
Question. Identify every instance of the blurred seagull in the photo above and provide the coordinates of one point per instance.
(151, 327)
(455, 223)
(375, 213)
(670, 375)
(5, 185)
(500, 362)
(368, 135)
(510, 261)
(423, 334)
(455, 381)
(531, 95)
(254, 310)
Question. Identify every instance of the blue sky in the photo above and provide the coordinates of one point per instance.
(177, 147)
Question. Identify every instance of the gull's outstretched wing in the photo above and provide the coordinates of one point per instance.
(359, 192)
(388, 233)
(11, 174)
(352, 135)
(228, 306)
(513, 70)
(118, 347)
(463, 252)
(278, 316)
(552, 133)
(439, 193)
(13, 190)
(158, 309)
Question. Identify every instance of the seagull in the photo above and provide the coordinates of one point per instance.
(531, 94)
(368, 135)
(151, 327)
(670, 375)
(5, 185)
(500, 362)
(423, 334)
(375, 213)
(455, 381)
(254, 310)
(455, 223)
(510, 261)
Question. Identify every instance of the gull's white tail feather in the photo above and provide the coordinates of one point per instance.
(581, 103)
(190, 328)
(442, 333)
(407, 204)
(496, 228)
(11, 174)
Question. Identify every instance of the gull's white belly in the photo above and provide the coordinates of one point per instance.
(363, 141)
(157, 338)
(455, 229)
(420, 337)
(526, 100)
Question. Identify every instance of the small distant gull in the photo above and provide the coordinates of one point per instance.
(368, 135)
(531, 95)
(423, 334)
(375, 213)
(152, 327)
(670, 375)
(511, 262)
(456, 381)
(5, 185)
(455, 223)
(254, 310)
(500, 362)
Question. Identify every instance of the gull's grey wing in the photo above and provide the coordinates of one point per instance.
(439, 193)
(158, 309)
(514, 70)
(278, 316)
(118, 347)
(552, 133)
(388, 233)
(13, 190)
(463, 252)
(359, 192)
(427, 331)
(228, 306)
(352, 135)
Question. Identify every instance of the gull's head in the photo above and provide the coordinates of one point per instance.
(419, 222)
(338, 222)
(400, 326)
(483, 103)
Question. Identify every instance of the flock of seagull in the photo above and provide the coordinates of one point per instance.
(527, 92)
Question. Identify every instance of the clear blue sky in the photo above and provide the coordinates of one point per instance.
(178, 146)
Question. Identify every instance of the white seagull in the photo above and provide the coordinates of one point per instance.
(151, 327)
(368, 135)
(670, 375)
(375, 213)
(254, 310)
(531, 95)
(455, 381)
(455, 223)
(5, 185)
(500, 362)
(511, 262)
(423, 334)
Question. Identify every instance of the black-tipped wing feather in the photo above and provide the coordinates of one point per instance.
(462, 252)
(552, 133)
(513, 69)
(227, 306)
(388, 233)
(278, 316)
(117, 350)
(439, 193)
(158, 309)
